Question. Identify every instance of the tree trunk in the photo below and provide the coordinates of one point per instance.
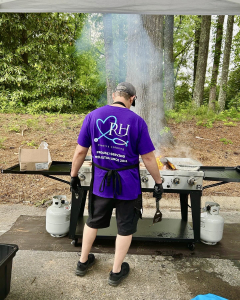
(169, 62)
(196, 46)
(145, 72)
(225, 65)
(216, 61)
(109, 57)
(202, 61)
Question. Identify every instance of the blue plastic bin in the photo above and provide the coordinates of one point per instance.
(7, 252)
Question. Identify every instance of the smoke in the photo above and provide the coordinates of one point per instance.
(137, 48)
(145, 70)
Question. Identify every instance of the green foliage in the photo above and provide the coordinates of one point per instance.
(202, 115)
(230, 124)
(164, 130)
(2, 140)
(41, 68)
(233, 89)
(208, 124)
(50, 120)
(225, 141)
(184, 30)
(183, 93)
(33, 124)
(13, 128)
(32, 144)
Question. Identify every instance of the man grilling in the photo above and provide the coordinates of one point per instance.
(117, 137)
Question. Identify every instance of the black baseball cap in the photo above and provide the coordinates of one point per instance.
(128, 88)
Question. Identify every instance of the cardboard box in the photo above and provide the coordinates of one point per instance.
(34, 159)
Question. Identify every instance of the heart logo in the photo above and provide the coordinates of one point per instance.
(103, 122)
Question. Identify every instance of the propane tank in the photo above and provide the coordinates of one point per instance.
(58, 216)
(211, 230)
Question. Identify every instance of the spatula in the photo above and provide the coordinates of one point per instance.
(158, 215)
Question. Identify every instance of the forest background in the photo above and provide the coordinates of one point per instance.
(57, 67)
(183, 67)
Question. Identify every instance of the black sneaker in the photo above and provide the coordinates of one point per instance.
(82, 268)
(116, 278)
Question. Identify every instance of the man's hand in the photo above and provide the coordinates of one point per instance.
(158, 191)
(74, 183)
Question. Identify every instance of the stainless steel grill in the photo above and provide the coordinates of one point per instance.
(186, 177)
(174, 179)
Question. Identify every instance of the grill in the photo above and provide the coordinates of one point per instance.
(185, 176)
(186, 180)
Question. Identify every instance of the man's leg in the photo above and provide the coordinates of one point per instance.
(121, 248)
(89, 235)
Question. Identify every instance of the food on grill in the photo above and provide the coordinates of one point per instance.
(164, 164)
(159, 163)
(171, 166)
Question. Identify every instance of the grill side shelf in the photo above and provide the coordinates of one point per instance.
(56, 168)
(224, 174)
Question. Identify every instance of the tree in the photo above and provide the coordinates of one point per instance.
(169, 62)
(196, 44)
(216, 61)
(109, 56)
(43, 68)
(145, 72)
(183, 46)
(39, 59)
(202, 61)
(225, 65)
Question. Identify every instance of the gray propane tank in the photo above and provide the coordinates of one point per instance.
(211, 230)
(58, 216)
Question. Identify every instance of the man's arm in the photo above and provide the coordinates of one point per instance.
(78, 159)
(152, 167)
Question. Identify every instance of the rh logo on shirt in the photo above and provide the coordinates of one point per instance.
(114, 127)
(108, 129)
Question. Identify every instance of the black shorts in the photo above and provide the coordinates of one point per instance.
(128, 213)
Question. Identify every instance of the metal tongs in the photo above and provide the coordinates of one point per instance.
(158, 215)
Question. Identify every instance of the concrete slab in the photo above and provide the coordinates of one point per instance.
(38, 275)
(50, 275)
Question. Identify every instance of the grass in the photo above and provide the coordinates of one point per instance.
(230, 124)
(203, 116)
(225, 141)
(30, 143)
(51, 120)
(2, 140)
(33, 123)
(14, 128)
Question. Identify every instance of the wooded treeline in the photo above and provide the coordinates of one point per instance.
(60, 62)
(42, 67)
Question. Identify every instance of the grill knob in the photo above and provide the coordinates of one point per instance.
(162, 179)
(144, 179)
(176, 180)
(82, 177)
(191, 181)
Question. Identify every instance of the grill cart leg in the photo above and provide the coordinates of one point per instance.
(191, 246)
(184, 206)
(196, 211)
(77, 210)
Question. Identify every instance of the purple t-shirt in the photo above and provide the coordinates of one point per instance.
(117, 136)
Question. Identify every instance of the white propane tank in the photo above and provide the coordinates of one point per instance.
(211, 230)
(58, 217)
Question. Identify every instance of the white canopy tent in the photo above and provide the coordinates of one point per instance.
(170, 7)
